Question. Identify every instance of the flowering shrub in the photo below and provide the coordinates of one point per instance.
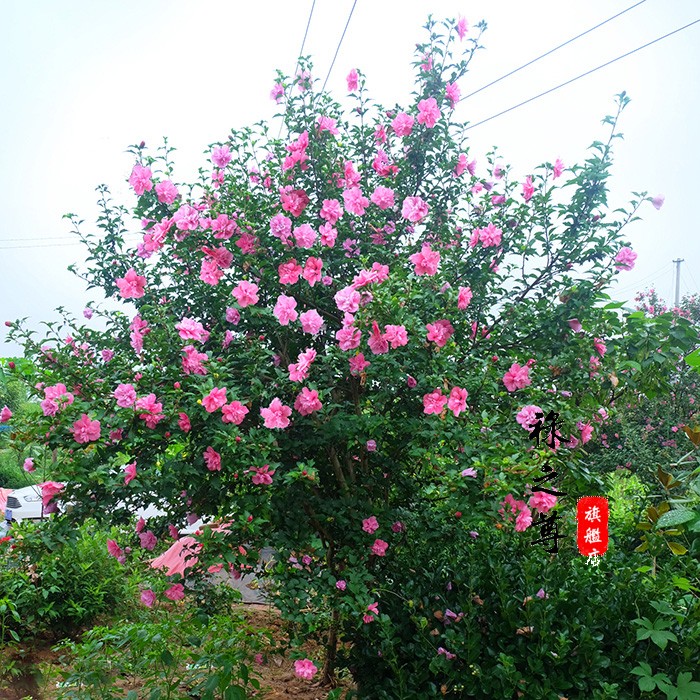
(333, 333)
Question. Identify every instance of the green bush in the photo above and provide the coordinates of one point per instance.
(174, 654)
(582, 637)
(58, 583)
(12, 476)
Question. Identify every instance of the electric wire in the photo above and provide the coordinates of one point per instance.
(301, 50)
(644, 280)
(306, 33)
(352, 9)
(551, 51)
(47, 245)
(582, 75)
(697, 288)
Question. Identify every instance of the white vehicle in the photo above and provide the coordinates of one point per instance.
(25, 503)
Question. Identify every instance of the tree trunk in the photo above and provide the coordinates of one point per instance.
(328, 675)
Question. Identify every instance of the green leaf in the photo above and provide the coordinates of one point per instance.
(647, 684)
(693, 359)
(683, 584)
(677, 548)
(643, 669)
(235, 692)
(687, 689)
(661, 638)
(675, 517)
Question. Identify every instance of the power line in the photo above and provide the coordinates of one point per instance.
(57, 238)
(303, 41)
(583, 75)
(301, 51)
(646, 279)
(551, 51)
(697, 289)
(45, 245)
(352, 9)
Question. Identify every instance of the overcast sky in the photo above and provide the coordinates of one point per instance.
(81, 80)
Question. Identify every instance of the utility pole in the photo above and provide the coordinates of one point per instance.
(678, 280)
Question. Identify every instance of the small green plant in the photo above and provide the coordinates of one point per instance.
(57, 582)
(173, 655)
(684, 689)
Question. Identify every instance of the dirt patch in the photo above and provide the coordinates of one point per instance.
(24, 686)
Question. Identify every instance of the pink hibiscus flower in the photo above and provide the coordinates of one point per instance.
(383, 197)
(414, 209)
(166, 192)
(49, 490)
(331, 210)
(523, 520)
(352, 79)
(189, 329)
(86, 430)
(402, 124)
(276, 415)
(262, 476)
(148, 598)
(347, 299)
(464, 298)
(377, 343)
(285, 309)
(234, 412)
(355, 202)
(528, 416)
(625, 258)
(114, 549)
(542, 502)
(490, 236)
(131, 285)
(434, 402)
(305, 668)
(462, 28)
(428, 112)
(379, 548)
(212, 459)
(426, 262)
(246, 294)
(140, 179)
(517, 377)
(304, 236)
(370, 525)
(312, 270)
(307, 402)
(221, 156)
(175, 592)
(214, 400)
(289, 272)
(440, 332)
(396, 336)
(129, 473)
(458, 400)
(125, 394)
(328, 235)
(192, 361)
(452, 93)
(184, 422)
(311, 321)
